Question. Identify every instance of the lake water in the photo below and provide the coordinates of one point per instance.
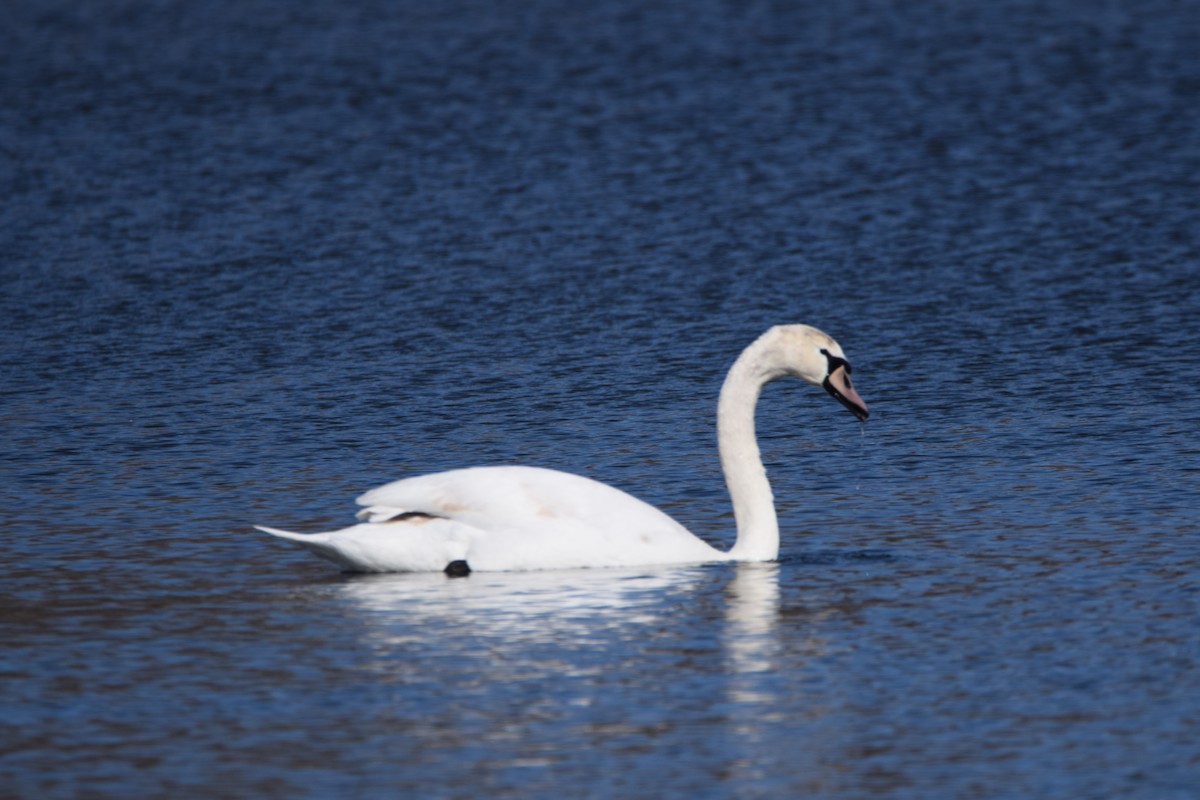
(257, 257)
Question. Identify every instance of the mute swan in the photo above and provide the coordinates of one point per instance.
(526, 518)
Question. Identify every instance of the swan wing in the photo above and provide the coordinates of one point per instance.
(535, 518)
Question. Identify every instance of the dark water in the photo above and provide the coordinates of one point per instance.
(257, 257)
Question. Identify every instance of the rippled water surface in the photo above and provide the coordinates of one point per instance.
(257, 257)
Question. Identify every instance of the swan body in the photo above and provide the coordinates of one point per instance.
(524, 518)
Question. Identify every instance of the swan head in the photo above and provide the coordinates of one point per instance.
(815, 357)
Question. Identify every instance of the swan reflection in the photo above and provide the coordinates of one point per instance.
(751, 615)
(522, 609)
(519, 606)
(612, 658)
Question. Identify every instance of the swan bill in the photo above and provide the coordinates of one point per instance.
(838, 384)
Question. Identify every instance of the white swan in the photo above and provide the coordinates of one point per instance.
(525, 518)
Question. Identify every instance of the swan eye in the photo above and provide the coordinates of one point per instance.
(833, 362)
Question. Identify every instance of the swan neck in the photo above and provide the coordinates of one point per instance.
(745, 475)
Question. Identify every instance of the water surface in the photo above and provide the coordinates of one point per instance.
(257, 257)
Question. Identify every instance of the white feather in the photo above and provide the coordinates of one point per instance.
(526, 518)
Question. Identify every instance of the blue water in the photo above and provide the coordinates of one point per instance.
(257, 257)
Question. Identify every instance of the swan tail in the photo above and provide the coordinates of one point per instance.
(321, 544)
(318, 543)
(424, 544)
(303, 538)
